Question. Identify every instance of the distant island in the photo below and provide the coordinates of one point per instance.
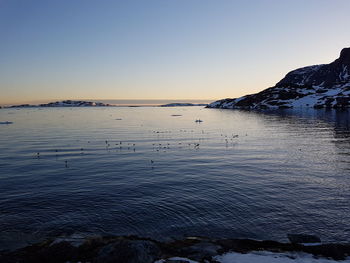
(81, 103)
(65, 103)
(319, 86)
(179, 104)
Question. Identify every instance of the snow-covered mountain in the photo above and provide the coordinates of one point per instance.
(319, 86)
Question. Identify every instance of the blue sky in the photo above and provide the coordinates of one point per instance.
(183, 49)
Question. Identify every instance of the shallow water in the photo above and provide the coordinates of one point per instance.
(142, 171)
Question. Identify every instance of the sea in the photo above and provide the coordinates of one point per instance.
(171, 172)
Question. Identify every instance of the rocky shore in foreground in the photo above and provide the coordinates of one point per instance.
(132, 249)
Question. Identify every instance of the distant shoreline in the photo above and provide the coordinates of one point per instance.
(119, 103)
(81, 104)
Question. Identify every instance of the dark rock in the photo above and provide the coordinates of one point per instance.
(334, 251)
(284, 107)
(57, 253)
(129, 251)
(301, 238)
(318, 106)
(201, 250)
(342, 102)
(6, 122)
(345, 56)
(321, 90)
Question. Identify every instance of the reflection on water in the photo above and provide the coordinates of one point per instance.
(155, 172)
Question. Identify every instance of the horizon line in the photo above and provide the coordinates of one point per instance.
(40, 101)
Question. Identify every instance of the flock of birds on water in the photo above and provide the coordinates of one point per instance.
(162, 144)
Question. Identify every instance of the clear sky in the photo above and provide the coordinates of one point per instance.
(164, 49)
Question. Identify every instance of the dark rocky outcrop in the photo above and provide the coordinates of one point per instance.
(319, 86)
(301, 238)
(6, 122)
(128, 251)
(131, 249)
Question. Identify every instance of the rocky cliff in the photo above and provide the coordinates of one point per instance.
(318, 86)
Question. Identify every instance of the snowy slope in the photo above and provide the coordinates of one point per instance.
(319, 86)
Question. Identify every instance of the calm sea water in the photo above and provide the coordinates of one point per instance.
(87, 171)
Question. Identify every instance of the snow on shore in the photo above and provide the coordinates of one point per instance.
(260, 257)
(270, 257)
